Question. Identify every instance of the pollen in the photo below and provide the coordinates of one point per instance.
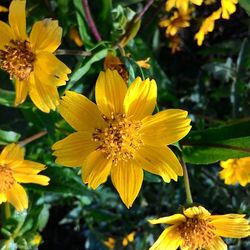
(17, 59)
(120, 139)
(196, 233)
(6, 178)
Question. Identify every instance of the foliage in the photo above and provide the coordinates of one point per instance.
(211, 82)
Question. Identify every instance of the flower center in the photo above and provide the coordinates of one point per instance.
(196, 233)
(120, 139)
(17, 59)
(6, 178)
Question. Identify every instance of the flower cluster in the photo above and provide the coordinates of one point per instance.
(120, 136)
(180, 19)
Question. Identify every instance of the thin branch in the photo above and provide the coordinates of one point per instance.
(90, 21)
(32, 138)
(73, 52)
(146, 7)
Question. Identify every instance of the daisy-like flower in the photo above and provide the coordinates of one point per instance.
(228, 8)
(14, 170)
(181, 4)
(177, 22)
(197, 229)
(207, 26)
(30, 60)
(119, 136)
(236, 171)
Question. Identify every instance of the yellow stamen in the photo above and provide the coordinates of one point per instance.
(120, 138)
(17, 59)
(6, 178)
(196, 233)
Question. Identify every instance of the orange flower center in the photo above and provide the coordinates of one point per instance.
(196, 233)
(120, 139)
(17, 59)
(6, 178)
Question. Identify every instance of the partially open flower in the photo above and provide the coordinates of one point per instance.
(14, 170)
(236, 171)
(30, 60)
(197, 229)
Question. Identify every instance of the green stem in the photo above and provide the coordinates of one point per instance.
(7, 210)
(186, 182)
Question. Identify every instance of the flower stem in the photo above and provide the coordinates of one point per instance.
(32, 138)
(7, 210)
(90, 21)
(186, 182)
(146, 7)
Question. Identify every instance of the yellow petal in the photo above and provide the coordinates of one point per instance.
(28, 167)
(22, 88)
(110, 91)
(217, 244)
(17, 197)
(165, 127)
(197, 2)
(11, 152)
(228, 8)
(17, 18)
(31, 178)
(196, 211)
(6, 34)
(44, 96)
(170, 239)
(96, 170)
(173, 219)
(127, 179)
(73, 150)
(160, 161)
(231, 225)
(50, 70)
(140, 99)
(80, 112)
(46, 35)
(3, 198)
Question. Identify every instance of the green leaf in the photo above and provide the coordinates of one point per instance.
(213, 145)
(63, 181)
(7, 137)
(245, 4)
(79, 73)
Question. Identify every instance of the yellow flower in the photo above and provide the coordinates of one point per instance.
(181, 4)
(207, 26)
(197, 229)
(3, 9)
(36, 240)
(114, 63)
(110, 243)
(29, 60)
(174, 43)
(178, 21)
(128, 238)
(14, 170)
(75, 37)
(119, 136)
(144, 63)
(236, 171)
(228, 8)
